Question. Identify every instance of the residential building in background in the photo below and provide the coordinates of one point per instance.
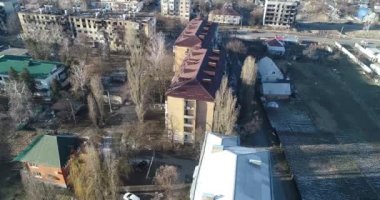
(43, 72)
(47, 158)
(176, 8)
(190, 97)
(228, 171)
(99, 27)
(10, 6)
(129, 6)
(280, 12)
(197, 34)
(225, 15)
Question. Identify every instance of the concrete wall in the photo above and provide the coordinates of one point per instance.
(353, 58)
(175, 116)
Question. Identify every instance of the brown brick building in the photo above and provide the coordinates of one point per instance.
(47, 158)
(190, 99)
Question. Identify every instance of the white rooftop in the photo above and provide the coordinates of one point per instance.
(268, 70)
(227, 171)
(276, 89)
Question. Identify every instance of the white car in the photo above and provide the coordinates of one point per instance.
(130, 196)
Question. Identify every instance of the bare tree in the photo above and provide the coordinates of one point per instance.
(225, 111)
(139, 79)
(92, 109)
(236, 46)
(97, 91)
(93, 178)
(20, 101)
(161, 62)
(166, 177)
(43, 43)
(247, 89)
(79, 78)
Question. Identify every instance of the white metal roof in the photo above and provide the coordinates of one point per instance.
(268, 70)
(231, 172)
(276, 89)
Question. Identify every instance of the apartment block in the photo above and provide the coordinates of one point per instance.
(130, 6)
(225, 15)
(197, 34)
(190, 98)
(98, 27)
(176, 8)
(280, 12)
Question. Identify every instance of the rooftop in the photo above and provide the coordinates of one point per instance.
(198, 33)
(37, 68)
(229, 171)
(200, 75)
(50, 150)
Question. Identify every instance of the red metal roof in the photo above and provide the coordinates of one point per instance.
(274, 43)
(200, 76)
(198, 33)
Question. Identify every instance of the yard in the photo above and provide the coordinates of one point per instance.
(340, 158)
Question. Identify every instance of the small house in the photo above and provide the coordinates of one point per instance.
(47, 158)
(275, 47)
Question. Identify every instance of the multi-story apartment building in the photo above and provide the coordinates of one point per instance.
(197, 34)
(98, 27)
(280, 12)
(176, 8)
(225, 15)
(130, 6)
(190, 98)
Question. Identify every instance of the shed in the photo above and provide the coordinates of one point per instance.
(268, 71)
(276, 90)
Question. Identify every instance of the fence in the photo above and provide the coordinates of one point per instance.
(353, 58)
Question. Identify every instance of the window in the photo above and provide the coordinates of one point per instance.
(33, 165)
(37, 174)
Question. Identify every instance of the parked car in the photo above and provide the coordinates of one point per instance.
(130, 196)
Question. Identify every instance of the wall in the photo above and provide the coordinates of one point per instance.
(45, 171)
(353, 58)
(175, 116)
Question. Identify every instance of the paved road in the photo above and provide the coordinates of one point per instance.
(252, 34)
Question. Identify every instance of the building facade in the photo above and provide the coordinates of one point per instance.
(176, 8)
(98, 27)
(129, 6)
(197, 34)
(190, 98)
(47, 158)
(43, 72)
(280, 12)
(226, 15)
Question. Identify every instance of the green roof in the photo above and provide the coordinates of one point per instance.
(37, 68)
(49, 150)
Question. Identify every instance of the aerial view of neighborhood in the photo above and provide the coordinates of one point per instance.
(189, 99)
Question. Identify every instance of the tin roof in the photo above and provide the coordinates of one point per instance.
(49, 150)
(37, 68)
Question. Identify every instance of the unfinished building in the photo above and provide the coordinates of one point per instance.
(280, 12)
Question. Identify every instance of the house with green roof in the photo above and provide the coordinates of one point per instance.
(43, 72)
(47, 157)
